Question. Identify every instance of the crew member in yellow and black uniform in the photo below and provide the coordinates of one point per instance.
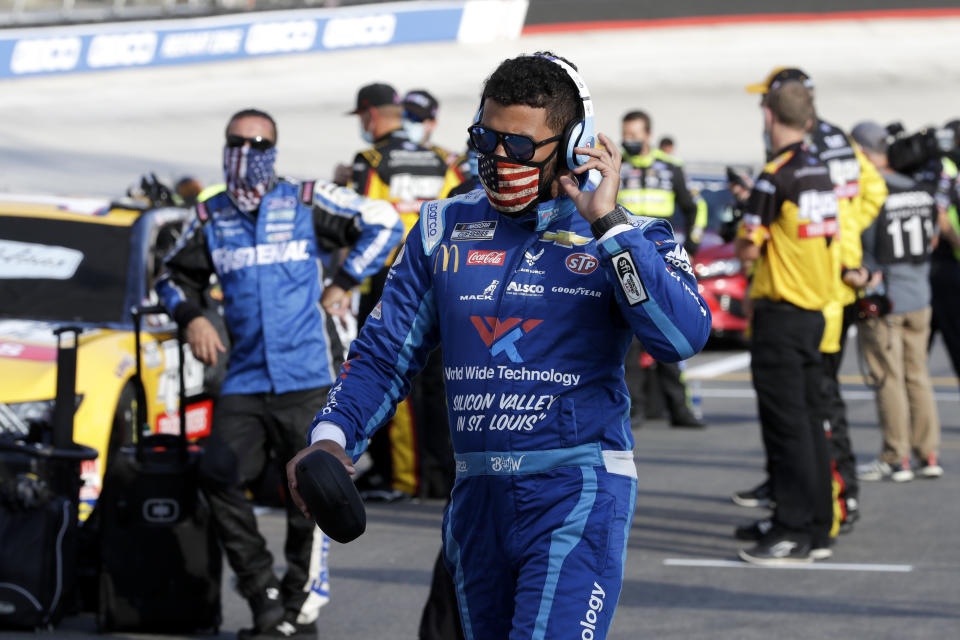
(407, 174)
(861, 192)
(789, 223)
(653, 184)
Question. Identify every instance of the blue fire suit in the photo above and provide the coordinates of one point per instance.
(270, 271)
(535, 316)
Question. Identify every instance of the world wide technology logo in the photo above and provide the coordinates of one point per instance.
(501, 336)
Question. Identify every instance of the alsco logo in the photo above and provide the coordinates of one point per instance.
(581, 263)
(477, 257)
(501, 336)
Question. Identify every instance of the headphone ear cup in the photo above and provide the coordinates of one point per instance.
(571, 140)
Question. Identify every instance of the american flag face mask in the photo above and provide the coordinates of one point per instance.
(512, 188)
(248, 173)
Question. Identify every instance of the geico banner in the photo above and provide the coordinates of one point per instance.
(26, 52)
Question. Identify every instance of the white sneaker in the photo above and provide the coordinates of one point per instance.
(879, 470)
(930, 468)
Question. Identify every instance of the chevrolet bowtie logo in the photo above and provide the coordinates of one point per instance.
(564, 238)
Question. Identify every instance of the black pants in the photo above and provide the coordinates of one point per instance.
(945, 301)
(787, 373)
(835, 412)
(440, 619)
(654, 389)
(249, 432)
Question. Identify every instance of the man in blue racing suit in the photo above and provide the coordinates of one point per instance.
(535, 289)
(265, 238)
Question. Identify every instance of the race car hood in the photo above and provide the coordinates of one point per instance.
(28, 359)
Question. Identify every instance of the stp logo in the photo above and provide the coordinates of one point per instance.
(477, 257)
(501, 335)
(581, 263)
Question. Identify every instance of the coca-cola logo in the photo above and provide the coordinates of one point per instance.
(582, 263)
(477, 257)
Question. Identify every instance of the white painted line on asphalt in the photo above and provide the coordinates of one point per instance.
(719, 367)
(825, 566)
(855, 394)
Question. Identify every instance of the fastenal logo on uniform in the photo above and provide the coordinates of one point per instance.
(477, 257)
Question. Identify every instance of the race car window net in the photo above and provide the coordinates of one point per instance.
(62, 271)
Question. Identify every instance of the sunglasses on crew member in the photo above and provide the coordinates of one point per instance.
(516, 146)
(259, 142)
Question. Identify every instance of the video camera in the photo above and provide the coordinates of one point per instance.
(910, 152)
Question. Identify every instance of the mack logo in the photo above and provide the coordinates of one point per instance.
(581, 263)
(508, 464)
(477, 257)
(501, 336)
(564, 238)
(629, 279)
(447, 251)
(161, 510)
(232, 259)
(487, 292)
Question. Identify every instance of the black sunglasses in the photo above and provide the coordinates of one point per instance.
(259, 142)
(516, 146)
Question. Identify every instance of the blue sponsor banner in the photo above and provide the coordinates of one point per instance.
(29, 52)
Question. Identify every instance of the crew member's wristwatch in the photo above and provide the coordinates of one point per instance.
(608, 221)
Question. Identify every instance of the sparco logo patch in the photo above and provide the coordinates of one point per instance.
(581, 263)
(476, 257)
(629, 279)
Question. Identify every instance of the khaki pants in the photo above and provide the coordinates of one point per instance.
(895, 348)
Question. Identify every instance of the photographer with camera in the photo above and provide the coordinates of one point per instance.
(895, 325)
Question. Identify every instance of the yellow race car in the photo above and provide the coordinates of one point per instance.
(87, 263)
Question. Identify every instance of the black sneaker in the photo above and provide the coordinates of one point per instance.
(853, 514)
(266, 606)
(778, 549)
(288, 627)
(820, 548)
(759, 496)
(687, 420)
(754, 531)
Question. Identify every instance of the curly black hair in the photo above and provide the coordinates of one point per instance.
(536, 82)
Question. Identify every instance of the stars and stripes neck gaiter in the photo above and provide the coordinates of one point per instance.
(513, 187)
(248, 173)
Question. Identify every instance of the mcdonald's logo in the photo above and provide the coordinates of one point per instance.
(447, 251)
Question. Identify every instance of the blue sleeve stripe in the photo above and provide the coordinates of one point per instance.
(421, 325)
(668, 329)
(611, 246)
(562, 542)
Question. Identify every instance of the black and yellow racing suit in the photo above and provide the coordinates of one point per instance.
(861, 192)
(792, 216)
(406, 174)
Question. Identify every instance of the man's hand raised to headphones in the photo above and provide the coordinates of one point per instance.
(593, 205)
